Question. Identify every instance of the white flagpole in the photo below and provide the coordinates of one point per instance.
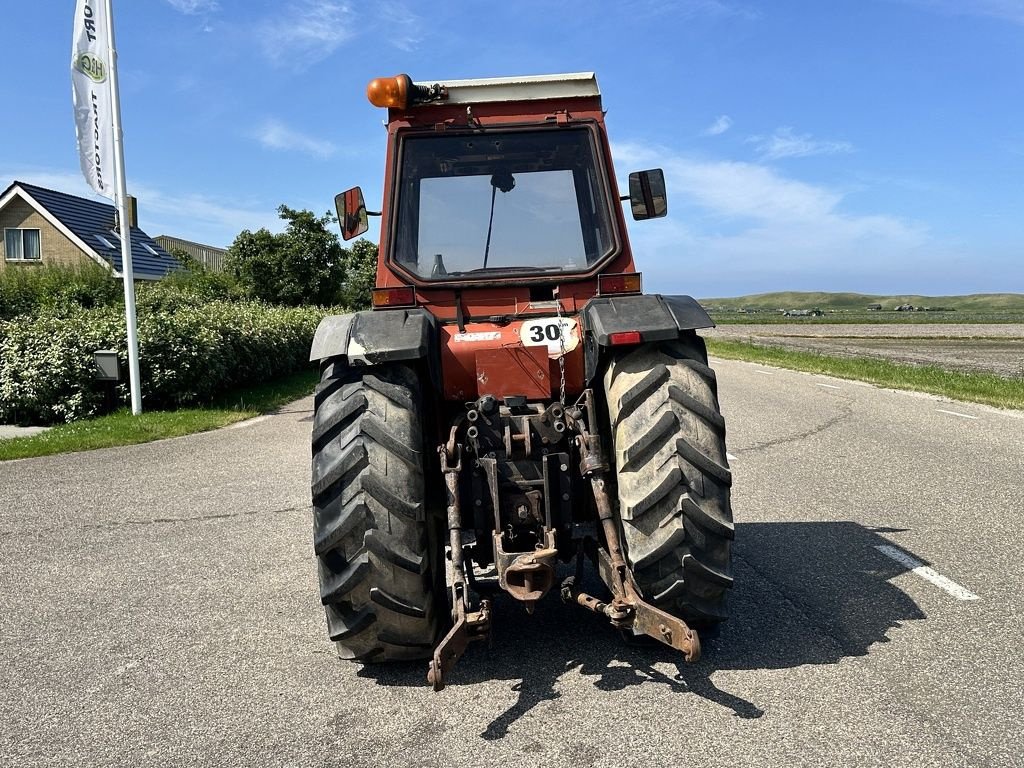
(126, 229)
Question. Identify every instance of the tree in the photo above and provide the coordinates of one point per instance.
(302, 265)
(188, 262)
(360, 274)
(305, 264)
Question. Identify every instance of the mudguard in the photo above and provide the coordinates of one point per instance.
(656, 317)
(375, 337)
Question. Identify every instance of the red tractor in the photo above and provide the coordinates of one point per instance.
(512, 401)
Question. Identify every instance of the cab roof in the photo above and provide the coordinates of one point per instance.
(572, 85)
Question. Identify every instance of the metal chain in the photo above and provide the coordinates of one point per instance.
(561, 356)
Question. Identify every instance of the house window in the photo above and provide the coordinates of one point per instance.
(150, 250)
(105, 243)
(22, 244)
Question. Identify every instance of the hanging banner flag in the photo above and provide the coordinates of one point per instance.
(90, 87)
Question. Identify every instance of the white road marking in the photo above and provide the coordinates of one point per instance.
(929, 574)
(954, 413)
(730, 457)
(765, 373)
(830, 386)
(248, 422)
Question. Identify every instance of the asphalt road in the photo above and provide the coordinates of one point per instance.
(158, 606)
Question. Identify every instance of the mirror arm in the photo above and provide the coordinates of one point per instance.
(623, 197)
(374, 213)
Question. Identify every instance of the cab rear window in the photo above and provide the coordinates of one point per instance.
(515, 202)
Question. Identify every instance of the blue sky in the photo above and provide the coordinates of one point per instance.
(873, 146)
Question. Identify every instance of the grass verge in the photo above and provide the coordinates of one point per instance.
(121, 428)
(972, 387)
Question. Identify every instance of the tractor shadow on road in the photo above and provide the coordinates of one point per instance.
(805, 593)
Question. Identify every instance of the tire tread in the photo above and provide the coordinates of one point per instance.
(369, 526)
(673, 476)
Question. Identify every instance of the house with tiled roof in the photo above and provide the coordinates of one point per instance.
(43, 226)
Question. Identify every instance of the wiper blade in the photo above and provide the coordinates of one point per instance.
(507, 269)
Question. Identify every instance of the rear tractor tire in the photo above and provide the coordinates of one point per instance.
(673, 477)
(370, 532)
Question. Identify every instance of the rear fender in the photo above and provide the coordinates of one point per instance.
(377, 337)
(655, 317)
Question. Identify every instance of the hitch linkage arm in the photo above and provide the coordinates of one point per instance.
(467, 625)
(628, 609)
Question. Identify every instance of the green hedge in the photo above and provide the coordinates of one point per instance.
(30, 288)
(190, 350)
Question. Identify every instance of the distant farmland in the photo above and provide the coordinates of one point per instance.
(861, 301)
(967, 347)
(987, 308)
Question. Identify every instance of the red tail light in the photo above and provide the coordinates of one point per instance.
(624, 337)
(628, 282)
(403, 296)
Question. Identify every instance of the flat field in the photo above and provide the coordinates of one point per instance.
(865, 317)
(970, 347)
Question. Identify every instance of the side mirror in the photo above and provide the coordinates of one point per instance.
(352, 214)
(647, 194)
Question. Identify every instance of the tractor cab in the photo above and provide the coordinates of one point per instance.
(501, 196)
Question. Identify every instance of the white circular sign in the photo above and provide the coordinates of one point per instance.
(547, 332)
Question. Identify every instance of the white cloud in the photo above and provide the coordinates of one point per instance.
(688, 9)
(734, 189)
(185, 214)
(744, 226)
(194, 6)
(402, 27)
(301, 33)
(305, 32)
(722, 124)
(1006, 10)
(196, 216)
(785, 143)
(274, 134)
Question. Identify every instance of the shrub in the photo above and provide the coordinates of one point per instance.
(189, 351)
(26, 289)
(46, 365)
(196, 280)
(187, 291)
